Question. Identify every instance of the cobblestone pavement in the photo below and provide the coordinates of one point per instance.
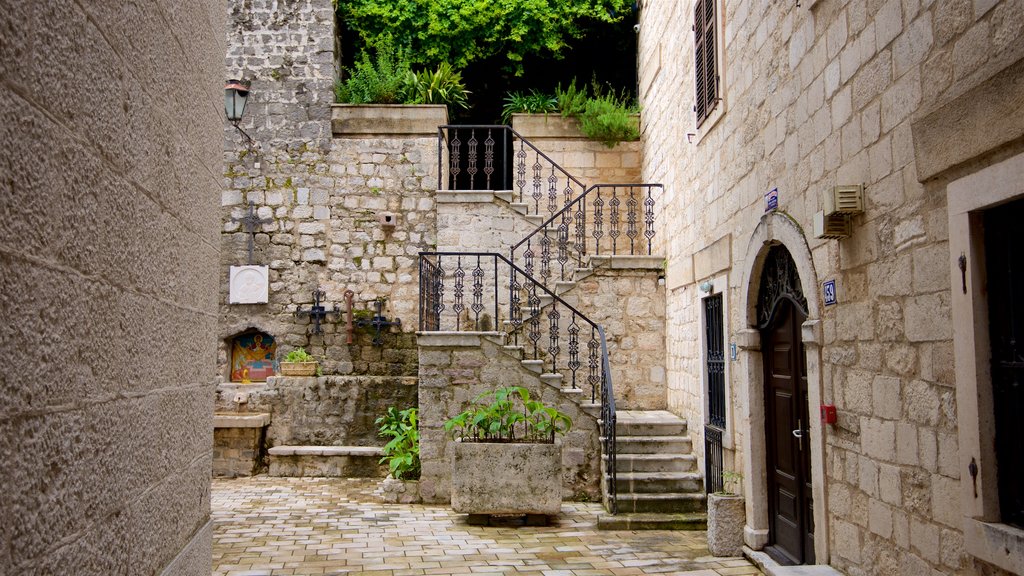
(268, 526)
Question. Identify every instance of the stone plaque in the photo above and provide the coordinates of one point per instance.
(249, 285)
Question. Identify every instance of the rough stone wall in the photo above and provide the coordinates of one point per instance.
(322, 193)
(630, 305)
(589, 161)
(818, 95)
(236, 451)
(111, 149)
(455, 369)
(321, 411)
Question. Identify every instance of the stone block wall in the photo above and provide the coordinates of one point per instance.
(589, 161)
(457, 367)
(237, 451)
(111, 155)
(818, 95)
(322, 194)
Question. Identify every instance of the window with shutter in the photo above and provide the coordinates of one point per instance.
(706, 59)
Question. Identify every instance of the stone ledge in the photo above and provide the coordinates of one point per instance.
(387, 120)
(452, 339)
(326, 451)
(464, 196)
(629, 262)
(254, 420)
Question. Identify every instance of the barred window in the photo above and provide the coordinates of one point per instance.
(706, 59)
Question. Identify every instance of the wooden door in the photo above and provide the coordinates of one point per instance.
(787, 437)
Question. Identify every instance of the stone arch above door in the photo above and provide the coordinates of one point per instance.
(778, 229)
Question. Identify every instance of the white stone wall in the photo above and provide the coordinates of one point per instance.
(111, 159)
(816, 95)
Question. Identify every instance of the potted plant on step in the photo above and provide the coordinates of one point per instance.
(298, 362)
(402, 455)
(506, 458)
(726, 517)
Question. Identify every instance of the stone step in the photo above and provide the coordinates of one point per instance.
(535, 366)
(517, 352)
(655, 463)
(658, 482)
(664, 503)
(649, 423)
(563, 286)
(653, 445)
(505, 195)
(652, 521)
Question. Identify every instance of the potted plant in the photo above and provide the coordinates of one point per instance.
(298, 362)
(505, 459)
(726, 517)
(402, 455)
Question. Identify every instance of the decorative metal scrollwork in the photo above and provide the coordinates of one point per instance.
(779, 279)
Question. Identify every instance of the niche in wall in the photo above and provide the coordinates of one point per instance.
(252, 356)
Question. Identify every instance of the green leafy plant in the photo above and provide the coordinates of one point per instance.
(732, 482)
(508, 415)
(608, 119)
(442, 86)
(533, 102)
(572, 101)
(402, 452)
(299, 355)
(380, 79)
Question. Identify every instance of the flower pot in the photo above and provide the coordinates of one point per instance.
(726, 517)
(506, 478)
(298, 368)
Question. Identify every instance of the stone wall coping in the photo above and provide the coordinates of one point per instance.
(326, 451)
(452, 339)
(463, 196)
(236, 420)
(629, 262)
(551, 126)
(387, 120)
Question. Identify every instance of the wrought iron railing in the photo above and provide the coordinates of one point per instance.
(607, 219)
(608, 422)
(713, 464)
(484, 291)
(507, 162)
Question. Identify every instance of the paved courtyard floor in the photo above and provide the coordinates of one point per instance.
(269, 526)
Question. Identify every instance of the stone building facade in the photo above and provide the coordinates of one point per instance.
(111, 147)
(921, 103)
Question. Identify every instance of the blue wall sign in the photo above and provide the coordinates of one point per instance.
(771, 200)
(828, 290)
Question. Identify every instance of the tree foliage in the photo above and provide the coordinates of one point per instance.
(463, 31)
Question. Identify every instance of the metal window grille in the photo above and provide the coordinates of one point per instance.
(715, 373)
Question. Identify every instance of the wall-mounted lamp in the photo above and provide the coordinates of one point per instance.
(706, 286)
(236, 94)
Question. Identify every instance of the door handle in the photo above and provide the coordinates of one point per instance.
(799, 434)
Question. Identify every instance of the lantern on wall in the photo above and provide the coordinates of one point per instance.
(236, 93)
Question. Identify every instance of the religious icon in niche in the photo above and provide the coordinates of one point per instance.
(252, 357)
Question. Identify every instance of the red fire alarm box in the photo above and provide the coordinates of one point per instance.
(828, 414)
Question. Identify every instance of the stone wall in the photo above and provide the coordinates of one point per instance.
(589, 161)
(320, 411)
(457, 367)
(110, 150)
(322, 193)
(815, 95)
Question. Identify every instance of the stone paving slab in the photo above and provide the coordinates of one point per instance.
(267, 526)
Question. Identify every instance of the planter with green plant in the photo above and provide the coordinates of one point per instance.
(382, 94)
(298, 362)
(506, 458)
(595, 113)
(726, 517)
(401, 454)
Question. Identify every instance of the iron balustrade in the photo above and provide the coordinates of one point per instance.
(713, 462)
(508, 162)
(608, 422)
(607, 219)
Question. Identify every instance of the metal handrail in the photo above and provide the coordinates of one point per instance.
(608, 421)
(507, 133)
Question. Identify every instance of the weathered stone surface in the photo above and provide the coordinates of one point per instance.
(506, 478)
(726, 518)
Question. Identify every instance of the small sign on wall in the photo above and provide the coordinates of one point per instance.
(771, 200)
(828, 290)
(249, 285)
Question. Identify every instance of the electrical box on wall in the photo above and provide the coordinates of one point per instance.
(832, 226)
(847, 200)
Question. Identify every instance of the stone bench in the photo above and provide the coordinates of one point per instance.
(333, 461)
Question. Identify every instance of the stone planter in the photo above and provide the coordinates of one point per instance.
(506, 478)
(400, 491)
(387, 120)
(554, 125)
(298, 368)
(726, 517)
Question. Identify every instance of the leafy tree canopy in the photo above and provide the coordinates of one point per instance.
(463, 31)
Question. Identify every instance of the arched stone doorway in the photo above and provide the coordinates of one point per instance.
(774, 317)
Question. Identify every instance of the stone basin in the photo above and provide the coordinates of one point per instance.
(241, 419)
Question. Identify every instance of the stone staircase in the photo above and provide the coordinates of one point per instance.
(658, 485)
